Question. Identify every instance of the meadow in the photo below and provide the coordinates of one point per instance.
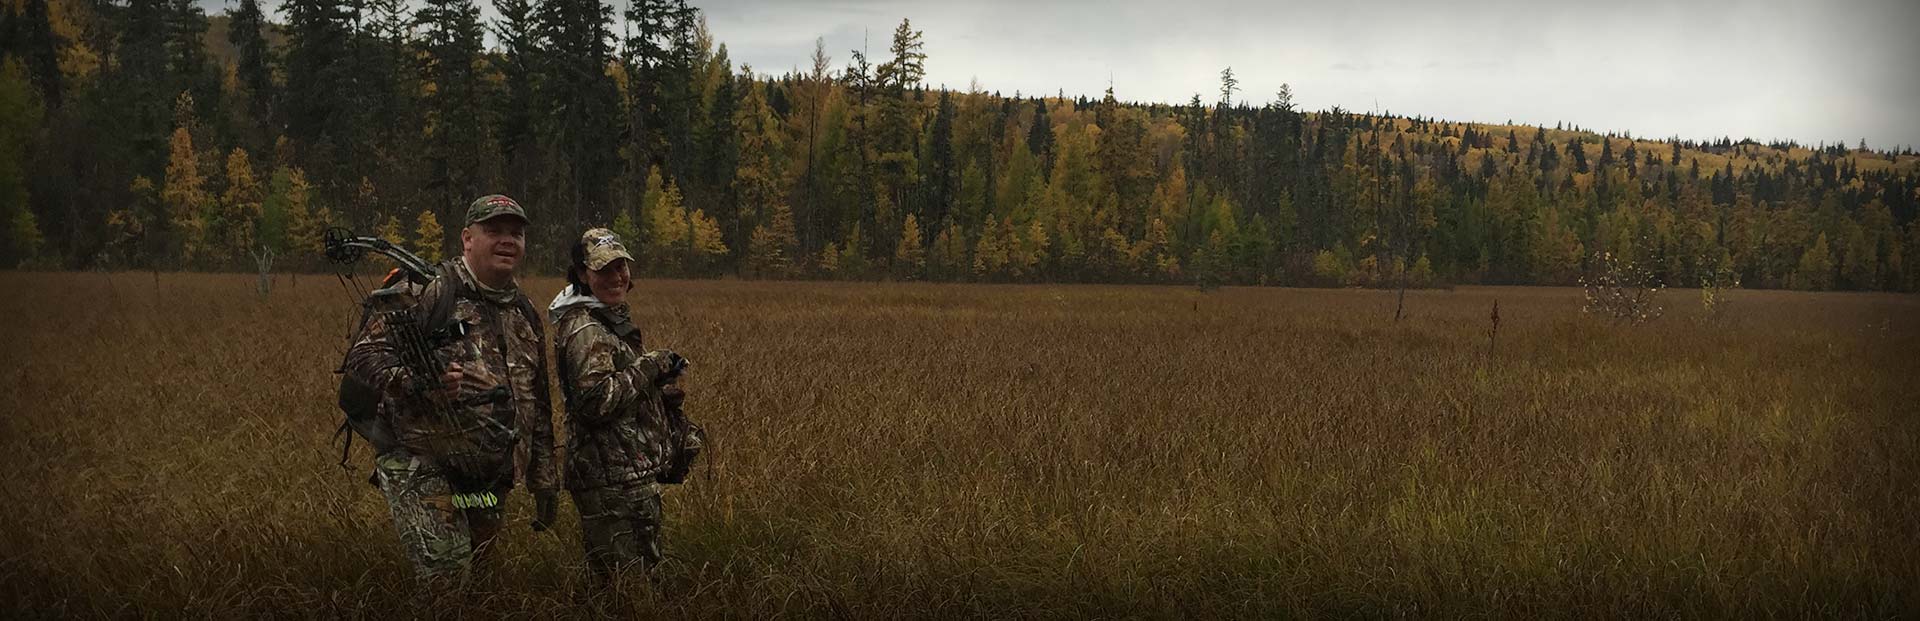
(922, 450)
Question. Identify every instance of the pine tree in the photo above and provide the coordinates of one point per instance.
(719, 136)
(19, 118)
(320, 84)
(187, 54)
(648, 35)
(255, 66)
(583, 131)
(519, 61)
(39, 49)
(942, 174)
(387, 143)
(682, 96)
(759, 177)
(143, 86)
(897, 137)
(1577, 150)
(460, 156)
(1040, 137)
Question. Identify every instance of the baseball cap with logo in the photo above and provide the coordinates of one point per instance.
(494, 206)
(602, 248)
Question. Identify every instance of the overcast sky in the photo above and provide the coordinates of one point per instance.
(1811, 71)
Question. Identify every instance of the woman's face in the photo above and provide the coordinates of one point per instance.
(610, 283)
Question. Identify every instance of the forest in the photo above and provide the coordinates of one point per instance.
(150, 135)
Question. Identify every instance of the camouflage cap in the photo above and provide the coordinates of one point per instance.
(492, 206)
(602, 248)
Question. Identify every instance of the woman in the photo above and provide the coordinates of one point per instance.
(621, 409)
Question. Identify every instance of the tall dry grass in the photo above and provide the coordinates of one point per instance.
(964, 450)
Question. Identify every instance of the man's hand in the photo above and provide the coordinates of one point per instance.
(545, 505)
(450, 382)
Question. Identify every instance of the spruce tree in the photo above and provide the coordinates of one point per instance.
(255, 66)
(519, 63)
(460, 156)
(943, 177)
(320, 84)
(1577, 150)
(1040, 137)
(584, 122)
(39, 48)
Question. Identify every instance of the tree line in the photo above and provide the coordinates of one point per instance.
(147, 134)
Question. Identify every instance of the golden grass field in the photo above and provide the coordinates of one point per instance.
(887, 450)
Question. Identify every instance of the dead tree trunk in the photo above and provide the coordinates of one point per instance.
(264, 259)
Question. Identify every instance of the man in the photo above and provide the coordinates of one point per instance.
(445, 454)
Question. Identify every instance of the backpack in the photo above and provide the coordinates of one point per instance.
(685, 438)
(358, 401)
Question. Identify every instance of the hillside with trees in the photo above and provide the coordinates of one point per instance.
(145, 134)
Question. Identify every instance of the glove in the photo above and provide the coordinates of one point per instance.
(544, 507)
(668, 363)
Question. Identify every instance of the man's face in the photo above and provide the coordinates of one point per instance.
(494, 246)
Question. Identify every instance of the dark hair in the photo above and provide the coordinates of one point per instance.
(576, 269)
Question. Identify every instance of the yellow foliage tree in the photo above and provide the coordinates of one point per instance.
(1032, 249)
(303, 226)
(1816, 267)
(185, 196)
(667, 228)
(129, 224)
(948, 257)
(321, 220)
(429, 239)
(239, 207)
(829, 261)
(853, 254)
(991, 253)
(390, 231)
(770, 250)
(910, 255)
(709, 247)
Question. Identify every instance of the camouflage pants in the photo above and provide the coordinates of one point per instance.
(620, 526)
(442, 541)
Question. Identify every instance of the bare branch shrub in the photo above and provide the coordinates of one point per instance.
(1714, 288)
(1621, 290)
